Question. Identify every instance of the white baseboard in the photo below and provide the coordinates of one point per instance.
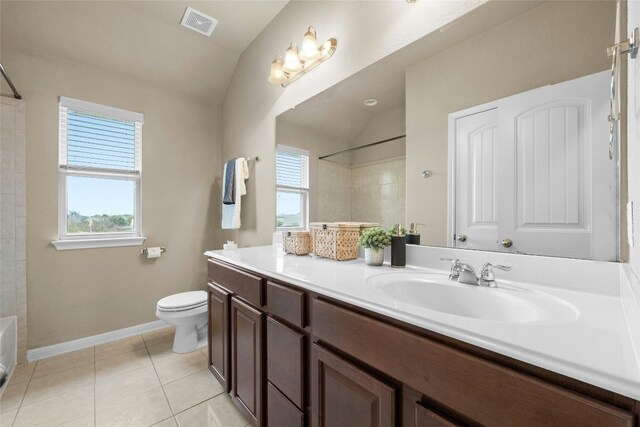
(65, 347)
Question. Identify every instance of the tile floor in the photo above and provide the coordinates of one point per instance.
(136, 381)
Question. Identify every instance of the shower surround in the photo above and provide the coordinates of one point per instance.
(13, 212)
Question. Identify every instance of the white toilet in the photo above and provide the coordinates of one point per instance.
(187, 311)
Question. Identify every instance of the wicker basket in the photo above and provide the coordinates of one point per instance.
(296, 242)
(337, 240)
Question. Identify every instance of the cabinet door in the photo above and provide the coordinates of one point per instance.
(285, 360)
(282, 413)
(345, 395)
(427, 418)
(246, 359)
(219, 334)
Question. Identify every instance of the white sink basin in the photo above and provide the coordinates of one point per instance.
(438, 293)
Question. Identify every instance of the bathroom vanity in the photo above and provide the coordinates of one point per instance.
(299, 341)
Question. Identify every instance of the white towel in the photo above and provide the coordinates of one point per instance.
(231, 213)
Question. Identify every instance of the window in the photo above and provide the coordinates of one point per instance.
(99, 175)
(292, 188)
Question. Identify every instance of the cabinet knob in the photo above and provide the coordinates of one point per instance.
(507, 243)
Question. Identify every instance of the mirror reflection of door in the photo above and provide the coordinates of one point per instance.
(476, 152)
(533, 174)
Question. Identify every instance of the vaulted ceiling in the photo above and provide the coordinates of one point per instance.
(142, 39)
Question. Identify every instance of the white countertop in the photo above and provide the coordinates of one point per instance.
(596, 346)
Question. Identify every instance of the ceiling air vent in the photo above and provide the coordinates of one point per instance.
(198, 22)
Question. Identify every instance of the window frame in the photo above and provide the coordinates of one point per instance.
(96, 240)
(304, 192)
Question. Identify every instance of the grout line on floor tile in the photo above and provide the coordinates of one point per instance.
(119, 354)
(194, 405)
(172, 416)
(181, 378)
(24, 394)
(61, 370)
(158, 376)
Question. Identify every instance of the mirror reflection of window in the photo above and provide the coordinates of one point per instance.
(292, 188)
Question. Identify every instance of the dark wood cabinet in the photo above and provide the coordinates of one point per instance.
(478, 389)
(246, 359)
(219, 299)
(290, 357)
(258, 349)
(345, 395)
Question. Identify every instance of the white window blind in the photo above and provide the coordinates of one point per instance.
(99, 137)
(292, 168)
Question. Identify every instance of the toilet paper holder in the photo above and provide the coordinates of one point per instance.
(145, 251)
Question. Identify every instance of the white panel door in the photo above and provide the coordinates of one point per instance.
(558, 193)
(476, 153)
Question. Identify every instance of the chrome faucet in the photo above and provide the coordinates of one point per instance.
(461, 272)
(455, 267)
(464, 273)
(487, 278)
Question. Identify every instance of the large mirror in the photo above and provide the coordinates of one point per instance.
(490, 134)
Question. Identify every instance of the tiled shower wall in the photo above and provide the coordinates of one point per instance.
(13, 256)
(334, 192)
(378, 192)
(372, 192)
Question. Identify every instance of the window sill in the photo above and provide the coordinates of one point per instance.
(113, 242)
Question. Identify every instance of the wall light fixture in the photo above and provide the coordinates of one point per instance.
(296, 63)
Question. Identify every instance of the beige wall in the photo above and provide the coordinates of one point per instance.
(555, 42)
(387, 124)
(366, 32)
(78, 293)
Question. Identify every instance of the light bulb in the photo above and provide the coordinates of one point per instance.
(310, 51)
(291, 60)
(277, 75)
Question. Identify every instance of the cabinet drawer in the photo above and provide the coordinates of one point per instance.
(281, 412)
(286, 303)
(481, 390)
(244, 285)
(285, 360)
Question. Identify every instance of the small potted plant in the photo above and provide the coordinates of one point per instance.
(374, 240)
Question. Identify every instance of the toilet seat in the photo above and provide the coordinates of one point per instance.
(183, 301)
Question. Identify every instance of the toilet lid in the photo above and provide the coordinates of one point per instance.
(183, 300)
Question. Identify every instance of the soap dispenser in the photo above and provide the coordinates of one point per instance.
(398, 247)
(413, 236)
